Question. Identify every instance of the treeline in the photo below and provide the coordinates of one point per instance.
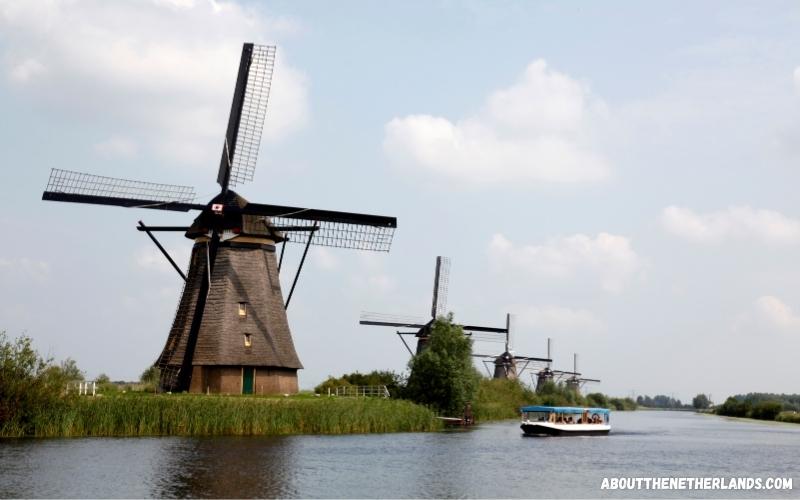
(762, 406)
(661, 401)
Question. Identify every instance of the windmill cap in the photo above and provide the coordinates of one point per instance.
(223, 213)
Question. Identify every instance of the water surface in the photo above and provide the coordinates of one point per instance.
(490, 461)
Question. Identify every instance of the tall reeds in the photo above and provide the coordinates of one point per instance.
(190, 415)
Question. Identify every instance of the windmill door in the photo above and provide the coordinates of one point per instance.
(248, 374)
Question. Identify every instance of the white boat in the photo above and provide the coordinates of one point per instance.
(564, 421)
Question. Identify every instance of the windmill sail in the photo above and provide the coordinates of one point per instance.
(440, 284)
(246, 120)
(336, 229)
(79, 187)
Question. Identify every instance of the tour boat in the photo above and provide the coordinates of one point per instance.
(564, 421)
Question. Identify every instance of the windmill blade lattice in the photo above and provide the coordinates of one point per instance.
(441, 282)
(67, 185)
(339, 234)
(243, 140)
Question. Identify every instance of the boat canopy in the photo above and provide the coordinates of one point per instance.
(563, 409)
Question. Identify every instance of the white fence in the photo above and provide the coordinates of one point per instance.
(82, 388)
(360, 391)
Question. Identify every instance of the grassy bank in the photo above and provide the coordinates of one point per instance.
(498, 399)
(762, 406)
(190, 415)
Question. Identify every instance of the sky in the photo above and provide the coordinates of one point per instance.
(620, 176)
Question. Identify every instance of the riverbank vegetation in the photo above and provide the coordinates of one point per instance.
(442, 380)
(202, 415)
(34, 402)
(498, 399)
(762, 406)
(662, 402)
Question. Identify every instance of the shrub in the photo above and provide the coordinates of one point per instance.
(732, 407)
(766, 410)
(29, 385)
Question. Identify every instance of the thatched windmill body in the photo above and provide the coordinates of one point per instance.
(230, 333)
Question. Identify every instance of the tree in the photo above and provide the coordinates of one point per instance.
(701, 402)
(28, 382)
(443, 376)
(766, 410)
(70, 370)
(732, 407)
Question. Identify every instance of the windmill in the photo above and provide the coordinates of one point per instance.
(230, 333)
(575, 382)
(507, 365)
(422, 328)
(572, 379)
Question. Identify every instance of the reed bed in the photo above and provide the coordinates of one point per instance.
(190, 415)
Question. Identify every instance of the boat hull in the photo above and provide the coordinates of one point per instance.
(547, 429)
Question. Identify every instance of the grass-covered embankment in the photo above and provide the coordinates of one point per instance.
(196, 415)
(498, 399)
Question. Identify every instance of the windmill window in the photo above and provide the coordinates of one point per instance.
(248, 340)
(242, 309)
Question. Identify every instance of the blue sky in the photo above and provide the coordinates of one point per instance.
(621, 176)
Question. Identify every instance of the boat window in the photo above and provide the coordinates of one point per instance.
(536, 416)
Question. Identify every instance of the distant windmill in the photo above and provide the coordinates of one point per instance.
(438, 308)
(230, 333)
(575, 382)
(508, 365)
(572, 379)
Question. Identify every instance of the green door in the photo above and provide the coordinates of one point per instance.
(248, 373)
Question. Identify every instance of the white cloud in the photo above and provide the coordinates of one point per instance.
(167, 67)
(773, 312)
(24, 268)
(26, 71)
(552, 318)
(608, 258)
(117, 146)
(372, 277)
(743, 223)
(537, 130)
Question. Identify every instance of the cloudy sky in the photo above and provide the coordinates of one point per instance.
(622, 176)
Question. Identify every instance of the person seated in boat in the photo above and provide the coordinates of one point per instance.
(595, 418)
(569, 420)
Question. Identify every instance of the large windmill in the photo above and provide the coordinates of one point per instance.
(422, 329)
(230, 333)
(508, 365)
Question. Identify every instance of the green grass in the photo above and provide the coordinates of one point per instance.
(498, 399)
(792, 417)
(195, 415)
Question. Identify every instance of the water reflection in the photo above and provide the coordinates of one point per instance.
(229, 467)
